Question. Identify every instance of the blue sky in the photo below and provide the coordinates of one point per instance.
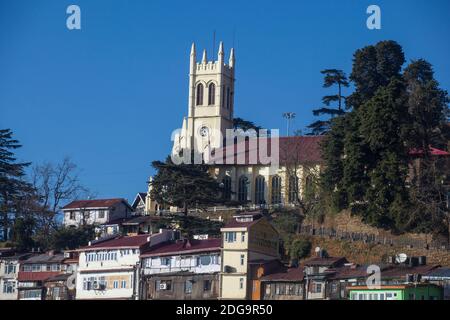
(109, 95)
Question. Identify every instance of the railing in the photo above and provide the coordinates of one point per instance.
(371, 238)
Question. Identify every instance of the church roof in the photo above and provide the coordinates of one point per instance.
(292, 150)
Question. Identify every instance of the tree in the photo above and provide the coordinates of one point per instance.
(239, 123)
(71, 238)
(184, 186)
(366, 158)
(332, 77)
(54, 185)
(12, 184)
(299, 249)
(428, 110)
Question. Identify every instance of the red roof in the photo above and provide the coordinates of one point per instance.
(35, 276)
(433, 151)
(119, 242)
(299, 149)
(290, 274)
(182, 247)
(98, 203)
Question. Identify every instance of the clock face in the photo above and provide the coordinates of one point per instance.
(204, 131)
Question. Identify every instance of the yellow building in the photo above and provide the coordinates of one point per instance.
(247, 239)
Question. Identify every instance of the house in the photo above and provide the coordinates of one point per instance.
(248, 238)
(274, 281)
(10, 263)
(182, 270)
(409, 291)
(95, 212)
(316, 272)
(130, 226)
(63, 286)
(35, 270)
(441, 277)
(138, 205)
(109, 268)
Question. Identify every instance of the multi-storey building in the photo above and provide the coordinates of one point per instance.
(247, 241)
(95, 212)
(109, 268)
(9, 272)
(35, 271)
(182, 270)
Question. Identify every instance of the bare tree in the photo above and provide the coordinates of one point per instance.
(302, 178)
(55, 184)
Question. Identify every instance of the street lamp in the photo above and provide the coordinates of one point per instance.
(289, 116)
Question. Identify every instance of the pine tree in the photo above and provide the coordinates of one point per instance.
(332, 77)
(12, 184)
(184, 186)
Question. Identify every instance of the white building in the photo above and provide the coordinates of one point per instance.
(95, 212)
(185, 269)
(243, 171)
(9, 272)
(109, 268)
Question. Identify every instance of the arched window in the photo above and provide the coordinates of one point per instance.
(212, 94)
(243, 189)
(226, 188)
(259, 190)
(293, 189)
(199, 94)
(276, 190)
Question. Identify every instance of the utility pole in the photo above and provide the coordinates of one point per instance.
(289, 116)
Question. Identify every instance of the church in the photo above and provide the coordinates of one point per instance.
(238, 159)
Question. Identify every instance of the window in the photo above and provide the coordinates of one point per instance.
(27, 268)
(56, 267)
(226, 188)
(293, 189)
(199, 101)
(9, 286)
(241, 283)
(116, 284)
(165, 261)
(259, 190)
(267, 289)
(101, 214)
(242, 236)
(211, 94)
(243, 189)
(276, 189)
(317, 288)
(188, 286)
(123, 284)
(206, 285)
(228, 98)
(204, 260)
(10, 268)
(230, 236)
(71, 215)
(242, 259)
(36, 267)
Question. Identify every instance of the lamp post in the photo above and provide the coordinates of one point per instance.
(289, 116)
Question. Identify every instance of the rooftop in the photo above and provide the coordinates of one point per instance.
(184, 247)
(297, 149)
(97, 203)
(119, 242)
(326, 261)
(45, 258)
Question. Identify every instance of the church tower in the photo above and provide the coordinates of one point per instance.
(211, 103)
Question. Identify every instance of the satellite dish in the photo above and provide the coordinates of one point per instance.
(317, 249)
(400, 258)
